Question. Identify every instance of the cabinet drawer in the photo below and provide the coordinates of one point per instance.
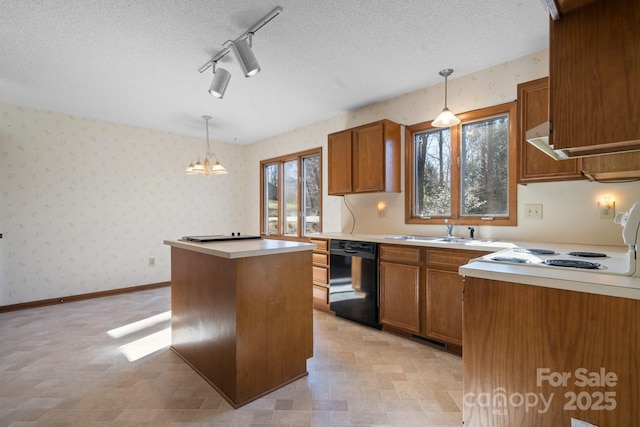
(321, 245)
(406, 254)
(320, 259)
(450, 259)
(320, 275)
(321, 294)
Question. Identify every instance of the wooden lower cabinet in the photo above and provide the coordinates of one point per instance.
(421, 292)
(320, 269)
(400, 285)
(443, 294)
(443, 308)
(537, 356)
(400, 296)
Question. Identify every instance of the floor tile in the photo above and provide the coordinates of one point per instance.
(92, 363)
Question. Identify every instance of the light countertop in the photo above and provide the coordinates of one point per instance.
(570, 280)
(242, 248)
(487, 245)
(558, 278)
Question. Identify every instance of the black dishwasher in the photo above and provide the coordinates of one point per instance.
(353, 281)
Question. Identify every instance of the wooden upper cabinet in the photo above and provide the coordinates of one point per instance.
(564, 6)
(533, 164)
(612, 166)
(340, 163)
(594, 71)
(365, 159)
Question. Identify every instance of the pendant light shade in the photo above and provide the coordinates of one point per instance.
(245, 56)
(446, 118)
(220, 81)
(198, 168)
(218, 169)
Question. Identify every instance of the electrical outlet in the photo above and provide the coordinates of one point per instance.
(152, 262)
(607, 211)
(533, 211)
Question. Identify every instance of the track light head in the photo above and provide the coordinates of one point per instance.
(245, 56)
(220, 81)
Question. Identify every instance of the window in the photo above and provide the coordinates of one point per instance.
(466, 173)
(291, 190)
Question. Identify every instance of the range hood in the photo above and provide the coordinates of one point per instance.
(539, 138)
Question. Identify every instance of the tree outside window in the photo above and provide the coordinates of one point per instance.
(466, 173)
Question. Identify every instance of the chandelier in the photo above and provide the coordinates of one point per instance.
(205, 168)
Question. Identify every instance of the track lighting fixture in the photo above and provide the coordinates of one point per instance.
(220, 81)
(446, 118)
(245, 56)
(242, 50)
(205, 168)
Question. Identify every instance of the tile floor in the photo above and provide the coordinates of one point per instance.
(100, 363)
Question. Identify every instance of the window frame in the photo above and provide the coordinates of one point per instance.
(280, 161)
(456, 179)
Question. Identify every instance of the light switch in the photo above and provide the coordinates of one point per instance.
(533, 211)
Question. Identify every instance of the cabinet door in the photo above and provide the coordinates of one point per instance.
(369, 158)
(594, 70)
(340, 163)
(443, 314)
(613, 166)
(399, 296)
(533, 164)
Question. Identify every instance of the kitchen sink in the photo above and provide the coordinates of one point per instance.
(440, 239)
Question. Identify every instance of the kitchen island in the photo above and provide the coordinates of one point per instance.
(241, 313)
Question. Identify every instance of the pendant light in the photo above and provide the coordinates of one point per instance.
(446, 118)
(205, 168)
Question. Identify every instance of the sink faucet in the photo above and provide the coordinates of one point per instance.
(449, 227)
(471, 231)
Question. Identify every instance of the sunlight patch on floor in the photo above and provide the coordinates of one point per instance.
(139, 325)
(147, 345)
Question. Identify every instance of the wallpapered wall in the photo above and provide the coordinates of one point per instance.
(84, 204)
(569, 208)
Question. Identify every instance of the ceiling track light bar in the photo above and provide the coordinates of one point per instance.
(250, 32)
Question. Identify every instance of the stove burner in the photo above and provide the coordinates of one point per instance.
(589, 254)
(535, 251)
(510, 259)
(572, 263)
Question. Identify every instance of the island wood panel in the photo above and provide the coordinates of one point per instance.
(244, 324)
(510, 330)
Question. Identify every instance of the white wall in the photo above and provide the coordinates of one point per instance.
(84, 204)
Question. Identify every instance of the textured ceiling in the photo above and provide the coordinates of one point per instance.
(136, 62)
